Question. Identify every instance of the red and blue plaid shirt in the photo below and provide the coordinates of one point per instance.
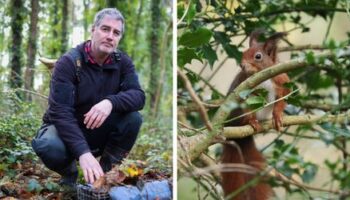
(87, 49)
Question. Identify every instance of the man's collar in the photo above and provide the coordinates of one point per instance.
(90, 58)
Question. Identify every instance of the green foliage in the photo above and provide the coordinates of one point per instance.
(34, 185)
(195, 38)
(338, 173)
(287, 160)
(154, 145)
(16, 132)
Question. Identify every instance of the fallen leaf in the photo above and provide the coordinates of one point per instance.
(99, 183)
(115, 177)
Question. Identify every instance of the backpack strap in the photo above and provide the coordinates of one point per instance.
(117, 55)
(77, 58)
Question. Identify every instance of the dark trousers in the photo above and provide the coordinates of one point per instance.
(119, 131)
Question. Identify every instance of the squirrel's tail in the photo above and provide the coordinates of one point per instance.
(243, 151)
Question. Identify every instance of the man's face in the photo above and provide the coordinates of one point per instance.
(105, 37)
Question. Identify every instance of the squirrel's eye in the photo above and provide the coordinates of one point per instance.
(258, 56)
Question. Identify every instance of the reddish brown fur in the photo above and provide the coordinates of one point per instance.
(231, 181)
(234, 180)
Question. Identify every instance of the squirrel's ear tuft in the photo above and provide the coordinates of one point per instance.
(254, 36)
(270, 45)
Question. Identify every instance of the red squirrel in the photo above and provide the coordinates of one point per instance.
(256, 58)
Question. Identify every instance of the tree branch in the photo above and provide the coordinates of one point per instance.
(201, 145)
(195, 98)
(302, 47)
(275, 12)
(247, 130)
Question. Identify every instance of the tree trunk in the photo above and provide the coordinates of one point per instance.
(64, 33)
(17, 11)
(31, 51)
(154, 49)
(86, 23)
(53, 49)
(137, 28)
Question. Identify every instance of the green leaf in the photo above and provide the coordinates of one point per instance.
(309, 173)
(310, 58)
(34, 185)
(191, 13)
(294, 100)
(336, 131)
(222, 38)
(233, 52)
(185, 55)
(195, 39)
(315, 80)
(262, 92)
(210, 55)
(305, 29)
(255, 102)
(52, 186)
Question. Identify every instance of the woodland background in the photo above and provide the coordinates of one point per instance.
(30, 29)
(311, 155)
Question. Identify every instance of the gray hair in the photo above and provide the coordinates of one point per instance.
(111, 12)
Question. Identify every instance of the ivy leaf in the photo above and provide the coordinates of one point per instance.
(310, 58)
(195, 39)
(262, 92)
(185, 55)
(222, 37)
(255, 102)
(34, 185)
(336, 131)
(52, 186)
(316, 81)
(309, 173)
(233, 52)
(191, 13)
(210, 55)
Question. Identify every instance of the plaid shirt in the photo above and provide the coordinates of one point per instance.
(87, 49)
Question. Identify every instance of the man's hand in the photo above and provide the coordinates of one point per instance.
(98, 114)
(90, 166)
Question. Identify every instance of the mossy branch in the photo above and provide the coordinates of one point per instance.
(196, 148)
(247, 130)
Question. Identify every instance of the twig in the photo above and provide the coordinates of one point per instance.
(302, 47)
(185, 13)
(195, 98)
(205, 82)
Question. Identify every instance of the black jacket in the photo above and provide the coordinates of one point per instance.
(69, 99)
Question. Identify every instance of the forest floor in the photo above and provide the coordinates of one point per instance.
(33, 181)
(29, 180)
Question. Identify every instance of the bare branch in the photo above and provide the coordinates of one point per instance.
(302, 47)
(247, 130)
(195, 98)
